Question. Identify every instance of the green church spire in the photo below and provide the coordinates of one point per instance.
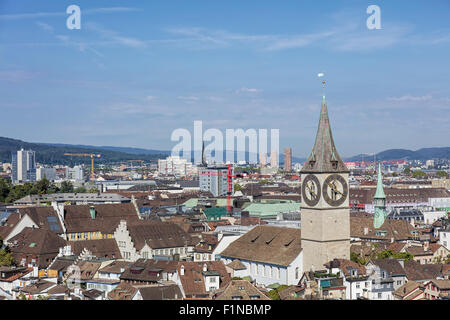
(379, 202)
(380, 192)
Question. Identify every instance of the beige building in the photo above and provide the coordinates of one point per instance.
(325, 212)
(440, 183)
(287, 159)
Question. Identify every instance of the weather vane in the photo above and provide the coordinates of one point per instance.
(320, 75)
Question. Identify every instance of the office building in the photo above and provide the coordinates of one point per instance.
(262, 159)
(214, 179)
(274, 159)
(174, 165)
(75, 173)
(23, 166)
(287, 159)
(48, 173)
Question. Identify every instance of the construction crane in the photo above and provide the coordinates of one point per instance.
(91, 155)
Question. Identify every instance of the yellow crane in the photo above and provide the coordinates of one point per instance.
(92, 155)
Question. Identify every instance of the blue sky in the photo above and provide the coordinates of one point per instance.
(137, 70)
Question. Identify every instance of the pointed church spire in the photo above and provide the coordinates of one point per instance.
(324, 156)
(379, 194)
(203, 154)
(379, 202)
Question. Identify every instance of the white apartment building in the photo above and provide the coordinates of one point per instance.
(175, 165)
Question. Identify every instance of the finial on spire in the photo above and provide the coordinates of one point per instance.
(323, 83)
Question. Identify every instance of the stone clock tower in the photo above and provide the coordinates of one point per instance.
(325, 211)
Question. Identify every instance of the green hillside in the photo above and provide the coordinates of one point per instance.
(50, 154)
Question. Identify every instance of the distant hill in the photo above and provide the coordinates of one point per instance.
(110, 148)
(51, 153)
(54, 154)
(404, 154)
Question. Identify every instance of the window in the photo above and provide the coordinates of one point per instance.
(379, 295)
(212, 280)
(358, 295)
(357, 286)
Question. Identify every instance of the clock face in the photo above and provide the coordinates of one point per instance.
(335, 190)
(311, 190)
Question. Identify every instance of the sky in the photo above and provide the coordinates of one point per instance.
(137, 70)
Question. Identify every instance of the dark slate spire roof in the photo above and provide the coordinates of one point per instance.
(324, 156)
(204, 164)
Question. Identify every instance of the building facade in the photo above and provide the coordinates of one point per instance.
(287, 159)
(174, 165)
(214, 180)
(23, 166)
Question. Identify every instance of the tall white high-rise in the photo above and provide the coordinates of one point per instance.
(23, 166)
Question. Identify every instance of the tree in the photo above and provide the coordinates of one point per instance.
(237, 187)
(66, 187)
(273, 294)
(5, 187)
(397, 255)
(357, 258)
(6, 258)
(419, 174)
(407, 171)
(80, 190)
(442, 174)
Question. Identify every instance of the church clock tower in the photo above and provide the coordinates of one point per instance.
(325, 211)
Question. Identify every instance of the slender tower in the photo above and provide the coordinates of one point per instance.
(204, 164)
(379, 202)
(325, 211)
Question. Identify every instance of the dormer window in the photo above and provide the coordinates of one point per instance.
(334, 165)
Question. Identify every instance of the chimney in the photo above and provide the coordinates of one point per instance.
(122, 270)
(366, 231)
(426, 246)
(205, 268)
(92, 212)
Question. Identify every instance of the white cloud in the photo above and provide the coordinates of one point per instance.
(18, 16)
(44, 26)
(189, 99)
(248, 90)
(410, 98)
(113, 37)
